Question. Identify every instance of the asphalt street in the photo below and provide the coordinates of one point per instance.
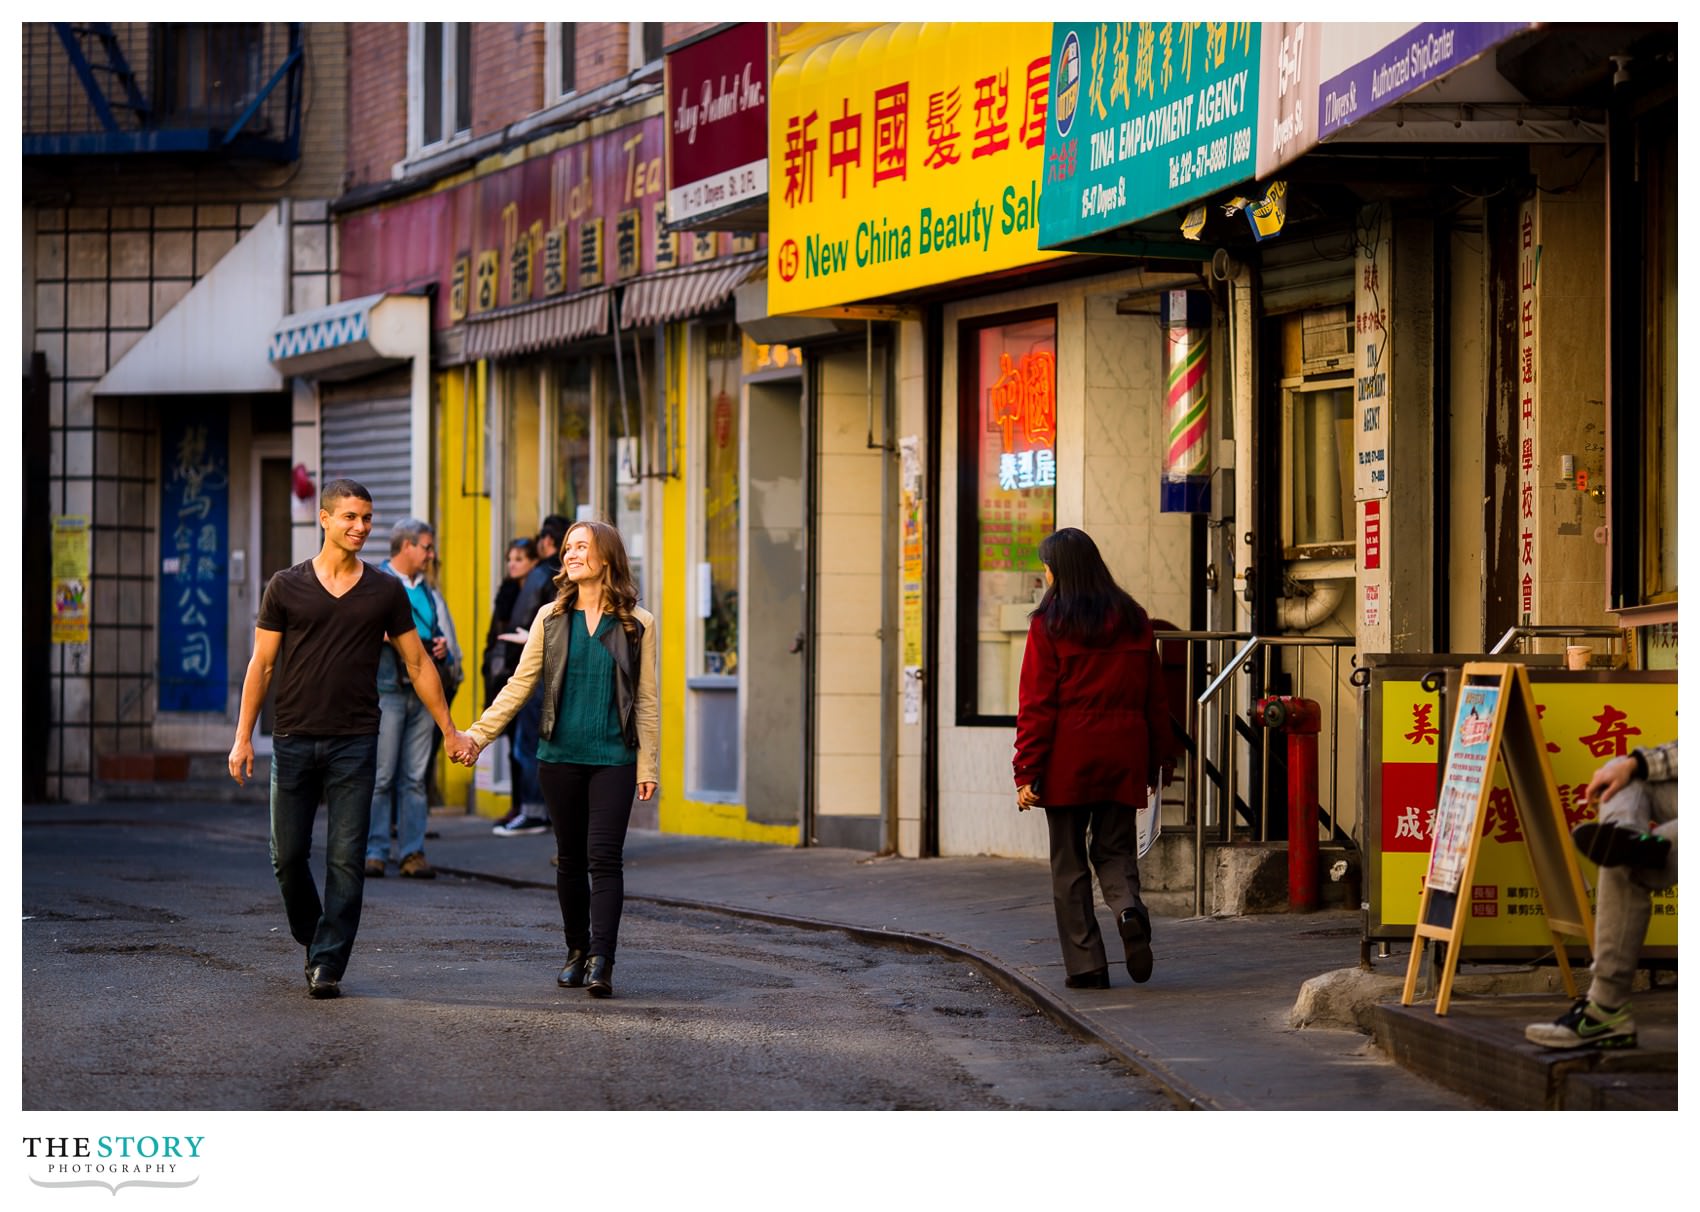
(158, 974)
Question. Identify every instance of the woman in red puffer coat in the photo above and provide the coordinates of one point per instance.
(1092, 737)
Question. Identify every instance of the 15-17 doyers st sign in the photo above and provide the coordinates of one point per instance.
(905, 156)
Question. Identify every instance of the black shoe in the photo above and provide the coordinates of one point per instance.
(320, 983)
(599, 976)
(1135, 927)
(1098, 978)
(1614, 846)
(572, 976)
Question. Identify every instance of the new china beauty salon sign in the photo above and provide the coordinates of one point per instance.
(905, 156)
(717, 123)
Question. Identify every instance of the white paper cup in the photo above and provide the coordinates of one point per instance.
(1576, 656)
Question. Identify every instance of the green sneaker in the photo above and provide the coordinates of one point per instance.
(1585, 1025)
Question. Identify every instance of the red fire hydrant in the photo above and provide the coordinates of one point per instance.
(1301, 720)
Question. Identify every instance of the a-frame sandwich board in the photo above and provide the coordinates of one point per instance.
(1496, 718)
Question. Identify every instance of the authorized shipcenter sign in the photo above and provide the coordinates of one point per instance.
(905, 156)
(1145, 117)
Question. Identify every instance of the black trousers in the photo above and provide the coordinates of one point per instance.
(1113, 853)
(590, 807)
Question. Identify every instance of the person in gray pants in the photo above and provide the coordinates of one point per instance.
(1634, 843)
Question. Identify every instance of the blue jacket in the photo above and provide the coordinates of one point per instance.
(392, 674)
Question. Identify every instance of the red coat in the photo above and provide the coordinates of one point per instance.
(1093, 725)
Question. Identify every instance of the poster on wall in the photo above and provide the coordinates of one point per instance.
(70, 579)
(195, 549)
(1372, 353)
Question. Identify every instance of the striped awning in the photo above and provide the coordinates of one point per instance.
(675, 294)
(534, 326)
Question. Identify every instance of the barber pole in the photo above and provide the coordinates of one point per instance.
(1185, 319)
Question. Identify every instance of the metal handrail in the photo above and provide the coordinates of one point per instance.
(1529, 631)
(1229, 738)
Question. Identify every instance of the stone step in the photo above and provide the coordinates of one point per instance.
(200, 777)
(1477, 1048)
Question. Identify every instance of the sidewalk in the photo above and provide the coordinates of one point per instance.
(1210, 1027)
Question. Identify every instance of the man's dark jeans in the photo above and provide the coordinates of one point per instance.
(340, 771)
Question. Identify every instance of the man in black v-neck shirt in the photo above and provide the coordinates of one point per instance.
(322, 625)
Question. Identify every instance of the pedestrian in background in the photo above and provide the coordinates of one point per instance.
(407, 736)
(1634, 842)
(1092, 739)
(501, 658)
(528, 815)
(593, 654)
(321, 629)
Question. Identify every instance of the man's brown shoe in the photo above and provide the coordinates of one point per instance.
(414, 867)
(374, 869)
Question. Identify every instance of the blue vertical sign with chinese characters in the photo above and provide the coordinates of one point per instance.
(194, 555)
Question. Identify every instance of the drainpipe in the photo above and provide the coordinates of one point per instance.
(1301, 612)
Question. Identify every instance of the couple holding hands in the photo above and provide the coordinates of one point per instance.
(593, 651)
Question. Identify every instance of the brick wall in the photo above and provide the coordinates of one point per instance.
(507, 73)
(377, 100)
(602, 52)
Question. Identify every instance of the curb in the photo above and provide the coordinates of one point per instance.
(1178, 1091)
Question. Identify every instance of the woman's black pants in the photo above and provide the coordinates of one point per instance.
(590, 807)
(1113, 853)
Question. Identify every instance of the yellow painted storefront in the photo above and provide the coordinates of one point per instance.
(678, 813)
(460, 511)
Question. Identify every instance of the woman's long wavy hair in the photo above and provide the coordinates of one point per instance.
(619, 591)
(1083, 601)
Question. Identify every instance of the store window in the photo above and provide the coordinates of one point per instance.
(1008, 420)
(717, 588)
(625, 385)
(571, 496)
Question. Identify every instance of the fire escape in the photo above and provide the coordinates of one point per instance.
(224, 88)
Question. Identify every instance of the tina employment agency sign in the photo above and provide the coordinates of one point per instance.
(1145, 116)
(905, 156)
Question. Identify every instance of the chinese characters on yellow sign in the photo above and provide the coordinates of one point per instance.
(1586, 723)
(906, 155)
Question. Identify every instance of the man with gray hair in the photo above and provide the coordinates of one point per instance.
(406, 734)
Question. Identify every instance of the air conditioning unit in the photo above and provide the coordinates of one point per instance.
(1326, 342)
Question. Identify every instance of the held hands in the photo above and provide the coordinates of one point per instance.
(462, 748)
(439, 648)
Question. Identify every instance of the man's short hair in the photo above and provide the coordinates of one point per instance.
(336, 490)
(407, 531)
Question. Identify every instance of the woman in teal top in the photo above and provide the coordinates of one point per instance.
(594, 651)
